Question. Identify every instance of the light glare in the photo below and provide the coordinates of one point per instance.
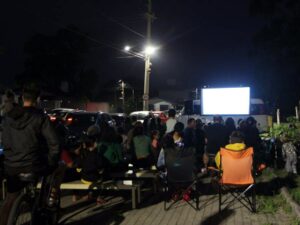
(127, 48)
(150, 50)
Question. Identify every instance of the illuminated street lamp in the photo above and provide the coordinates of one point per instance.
(146, 56)
(127, 48)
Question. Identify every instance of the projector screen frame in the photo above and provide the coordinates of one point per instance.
(241, 114)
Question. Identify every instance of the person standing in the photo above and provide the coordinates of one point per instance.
(189, 133)
(216, 137)
(199, 142)
(171, 121)
(30, 146)
(290, 156)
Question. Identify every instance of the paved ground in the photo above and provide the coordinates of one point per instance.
(152, 213)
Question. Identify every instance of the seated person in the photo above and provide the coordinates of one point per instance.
(89, 163)
(110, 150)
(155, 144)
(236, 141)
(141, 147)
(171, 140)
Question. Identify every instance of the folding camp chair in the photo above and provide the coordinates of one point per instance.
(236, 177)
(181, 184)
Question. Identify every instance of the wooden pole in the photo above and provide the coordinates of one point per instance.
(278, 116)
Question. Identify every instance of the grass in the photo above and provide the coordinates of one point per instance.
(273, 204)
(270, 200)
(292, 183)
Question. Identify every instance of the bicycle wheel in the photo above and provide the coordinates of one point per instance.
(20, 213)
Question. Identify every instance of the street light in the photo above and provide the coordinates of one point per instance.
(127, 48)
(146, 56)
(150, 50)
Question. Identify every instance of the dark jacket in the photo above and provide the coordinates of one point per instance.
(217, 137)
(29, 140)
(90, 164)
(189, 137)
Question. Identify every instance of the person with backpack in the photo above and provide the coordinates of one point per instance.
(110, 150)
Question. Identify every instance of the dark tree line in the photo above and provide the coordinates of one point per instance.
(57, 63)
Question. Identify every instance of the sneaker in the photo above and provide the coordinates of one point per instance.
(53, 200)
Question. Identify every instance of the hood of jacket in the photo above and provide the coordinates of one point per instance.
(19, 117)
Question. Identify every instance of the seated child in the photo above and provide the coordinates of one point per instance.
(89, 162)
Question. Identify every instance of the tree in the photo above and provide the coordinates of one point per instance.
(278, 49)
(53, 60)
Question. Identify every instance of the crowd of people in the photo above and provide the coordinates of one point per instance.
(103, 149)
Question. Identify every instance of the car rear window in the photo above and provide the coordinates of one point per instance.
(81, 121)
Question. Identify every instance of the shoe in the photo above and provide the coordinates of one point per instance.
(53, 200)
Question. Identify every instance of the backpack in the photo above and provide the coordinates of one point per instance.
(113, 153)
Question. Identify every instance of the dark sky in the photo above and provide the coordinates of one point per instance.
(203, 42)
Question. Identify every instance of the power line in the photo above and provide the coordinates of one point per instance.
(122, 25)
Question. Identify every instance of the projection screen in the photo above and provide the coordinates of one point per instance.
(225, 101)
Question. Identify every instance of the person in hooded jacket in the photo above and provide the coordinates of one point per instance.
(30, 146)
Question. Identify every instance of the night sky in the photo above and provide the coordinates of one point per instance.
(202, 42)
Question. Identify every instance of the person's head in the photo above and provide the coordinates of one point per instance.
(199, 124)
(154, 134)
(229, 122)
(191, 123)
(237, 137)
(172, 113)
(138, 129)
(151, 115)
(218, 119)
(31, 94)
(242, 124)
(89, 142)
(93, 131)
(179, 127)
(251, 122)
(9, 96)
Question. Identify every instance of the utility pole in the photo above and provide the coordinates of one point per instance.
(147, 59)
(123, 94)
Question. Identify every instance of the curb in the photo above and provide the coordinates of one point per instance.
(288, 198)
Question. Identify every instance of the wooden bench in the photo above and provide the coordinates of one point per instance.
(136, 175)
(106, 185)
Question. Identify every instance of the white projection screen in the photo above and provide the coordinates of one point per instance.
(225, 101)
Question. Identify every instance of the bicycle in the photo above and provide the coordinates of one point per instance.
(30, 206)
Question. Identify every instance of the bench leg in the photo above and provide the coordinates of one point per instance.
(133, 197)
(154, 186)
(139, 193)
(3, 189)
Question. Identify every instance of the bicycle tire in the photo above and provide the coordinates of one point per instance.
(21, 204)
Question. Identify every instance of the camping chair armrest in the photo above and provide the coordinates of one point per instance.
(213, 169)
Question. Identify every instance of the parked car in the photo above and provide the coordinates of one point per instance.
(119, 119)
(78, 122)
(59, 113)
(141, 115)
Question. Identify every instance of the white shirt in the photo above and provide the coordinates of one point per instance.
(170, 124)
